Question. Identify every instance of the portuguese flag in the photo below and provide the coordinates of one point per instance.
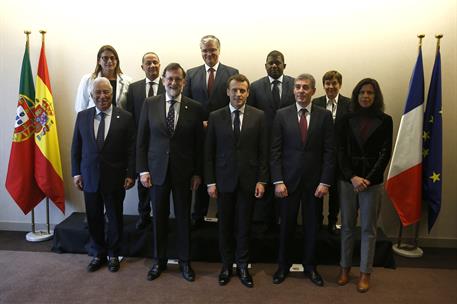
(20, 179)
(48, 167)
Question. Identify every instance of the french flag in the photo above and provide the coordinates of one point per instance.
(404, 181)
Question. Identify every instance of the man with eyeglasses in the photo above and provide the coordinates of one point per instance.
(170, 159)
(207, 85)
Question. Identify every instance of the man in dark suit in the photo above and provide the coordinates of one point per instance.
(236, 171)
(137, 93)
(207, 84)
(302, 165)
(339, 106)
(170, 159)
(269, 94)
(103, 166)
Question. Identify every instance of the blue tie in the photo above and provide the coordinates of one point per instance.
(171, 117)
(101, 131)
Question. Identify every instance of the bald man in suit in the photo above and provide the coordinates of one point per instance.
(137, 93)
(207, 85)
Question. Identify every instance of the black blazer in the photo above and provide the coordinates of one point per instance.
(260, 96)
(367, 159)
(343, 107)
(136, 96)
(107, 169)
(196, 87)
(228, 163)
(157, 149)
(293, 162)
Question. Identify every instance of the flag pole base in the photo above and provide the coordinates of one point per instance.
(408, 251)
(39, 236)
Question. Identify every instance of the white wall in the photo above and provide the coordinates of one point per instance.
(358, 38)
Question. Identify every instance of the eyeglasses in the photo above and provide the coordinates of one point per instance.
(175, 79)
(106, 58)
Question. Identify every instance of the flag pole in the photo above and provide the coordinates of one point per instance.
(404, 249)
(40, 235)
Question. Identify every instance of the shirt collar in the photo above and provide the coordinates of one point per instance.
(107, 112)
(215, 67)
(272, 79)
(299, 107)
(168, 98)
(336, 98)
(156, 81)
(232, 108)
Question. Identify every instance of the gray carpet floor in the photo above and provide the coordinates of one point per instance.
(44, 277)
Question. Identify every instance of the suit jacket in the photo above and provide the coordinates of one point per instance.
(229, 163)
(343, 107)
(369, 158)
(260, 96)
(196, 87)
(291, 161)
(136, 96)
(107, 169)
(158, 151)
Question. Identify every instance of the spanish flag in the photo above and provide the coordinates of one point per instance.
(20, 179)
(48, 167)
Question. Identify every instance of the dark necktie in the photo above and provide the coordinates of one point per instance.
(303, 125)
(210, 80)
(236, 125)
(275, 93)
(101, 131)
(171, 117)
(151, 89)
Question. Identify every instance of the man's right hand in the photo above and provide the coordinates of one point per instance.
(145, 180)
(281, 190)
(212, 191)
(78, 182)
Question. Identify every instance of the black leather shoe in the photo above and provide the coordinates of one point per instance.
(225, 275)
(96, 264)
(155, 271)
(332, 229)
(187, 272)
(315, 277)
(280, 275)
(245, 277)
(143, 222)
(113, 264)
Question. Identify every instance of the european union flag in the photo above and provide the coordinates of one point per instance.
(433, 145)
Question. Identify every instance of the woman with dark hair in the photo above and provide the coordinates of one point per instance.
(107, 66)
(364, 144)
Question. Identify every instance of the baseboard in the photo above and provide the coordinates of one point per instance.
(15, 226)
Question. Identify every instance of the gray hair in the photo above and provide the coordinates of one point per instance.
(98, 80)
(306, 76)
(207, 38)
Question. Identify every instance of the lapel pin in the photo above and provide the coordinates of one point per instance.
(117, 116)
(185, 107)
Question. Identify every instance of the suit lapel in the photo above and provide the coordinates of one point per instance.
(201, 78)
(314, 116)
(286, 88)
(91, 126)
(268, 93)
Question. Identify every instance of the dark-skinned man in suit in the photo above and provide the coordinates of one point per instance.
(339, 106)
(138, 91)
(103, 167)
(269, 94)
(236, 172)
(170, 159)
(207, 84)
(302, 166)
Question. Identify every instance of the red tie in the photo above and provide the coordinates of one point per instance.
(210, 80)
(303, 125)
